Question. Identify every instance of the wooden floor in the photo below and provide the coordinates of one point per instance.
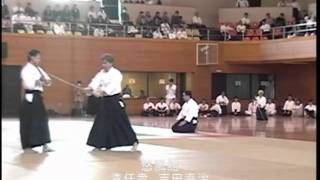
(223, 149)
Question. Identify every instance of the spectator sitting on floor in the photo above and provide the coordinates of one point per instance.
(297, 109)
(176, 19)
(99, 32)
(174, 107)
(75, 13)
(102, 16)
(148, 108)
(142, 94)
(288, 106)
(165, 28)
(182, 33)
(226, 29)
(18, 21)
(203, 108)
(271, 108)
(268, 19)
(126, 91)
(252, 107)
(59, 28)
(310, 110)
(148, 18)
(242, 3)
(215, 109)
(196, 20)
(141, 19)
(236, 107)
(265, 27)
(157, 34)
(173, 34)
(282, 3)
(162, 108)
(245, 19)
(57, 12)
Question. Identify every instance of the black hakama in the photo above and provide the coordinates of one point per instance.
(34, 128)
(93, 105)
(188, 127)
(261, 114)
(224, 110)
(111, 127)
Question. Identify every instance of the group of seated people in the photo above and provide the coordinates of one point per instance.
(141, 1)
(161, 109)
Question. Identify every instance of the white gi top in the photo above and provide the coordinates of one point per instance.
(148, 105)
(261, 101)
(217, 108)
(311, 107)
(190, 110)
(15, 9)
(108, 82)
(242, 3)
(30, 74)
(174, 106)
(203, 107)
(221, 99)
(265, 27)
(271, 107)
(196, 20)
(171, 91)
(162, 106)
(252, 107)
(288, 105)
(245, 20)
(236, 106)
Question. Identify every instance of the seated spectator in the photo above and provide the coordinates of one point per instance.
(215, 109)
(159, 2)
(148, 18)
(18, 8)
(75, 13)
(271, 108)
(173, 34)
(18, 20)
(310, 110)
(66, 14)
(245, 19)
(196, 19)
(141, 19)
(157, 34)
(59, 28)
(252, 108)
(174, 108)
(165, 18)
(92, 15)
(5, 11)
(126, 91)
(142, 94)
(125, 17)
(29, 11)
(176, 19)
(268, 19)
(297, 109)
(282, 3)
(165, 28)
(223, 101)
(226, 30)
(280, 21)
(57, 12)
(162, 108)
(265, 27)
(99, 32)
(242, 3)
(288, 106)
(48, 14)
(102, 16)
(148, 108)
(236, 107)
(241, 28)
(37, 26)
(203, 108)
(182, 33)
(157, 19)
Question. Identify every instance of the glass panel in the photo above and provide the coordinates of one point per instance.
(137, 82)
(157, 82)
(238, 85)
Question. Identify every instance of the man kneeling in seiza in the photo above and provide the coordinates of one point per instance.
(188, 116)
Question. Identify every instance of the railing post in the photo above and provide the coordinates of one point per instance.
(284, 32)
(106, 30)
(273, 33)
(88, 28)
(208, 34)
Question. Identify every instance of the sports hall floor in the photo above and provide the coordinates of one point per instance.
(224, 148)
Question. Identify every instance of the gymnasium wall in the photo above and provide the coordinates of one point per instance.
(77, 58)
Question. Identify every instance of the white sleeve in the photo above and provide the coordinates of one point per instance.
(44, 74)
(192, 112)
(95, 82)
(113, 86)
(227, 101)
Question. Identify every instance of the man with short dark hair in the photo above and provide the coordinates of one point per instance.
(34, 128)
(188, 116)
(310, 109)
(111, 127)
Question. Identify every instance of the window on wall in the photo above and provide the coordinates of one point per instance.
(244, 86)
(141, 85)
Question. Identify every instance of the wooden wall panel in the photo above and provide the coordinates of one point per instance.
(77, 58)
